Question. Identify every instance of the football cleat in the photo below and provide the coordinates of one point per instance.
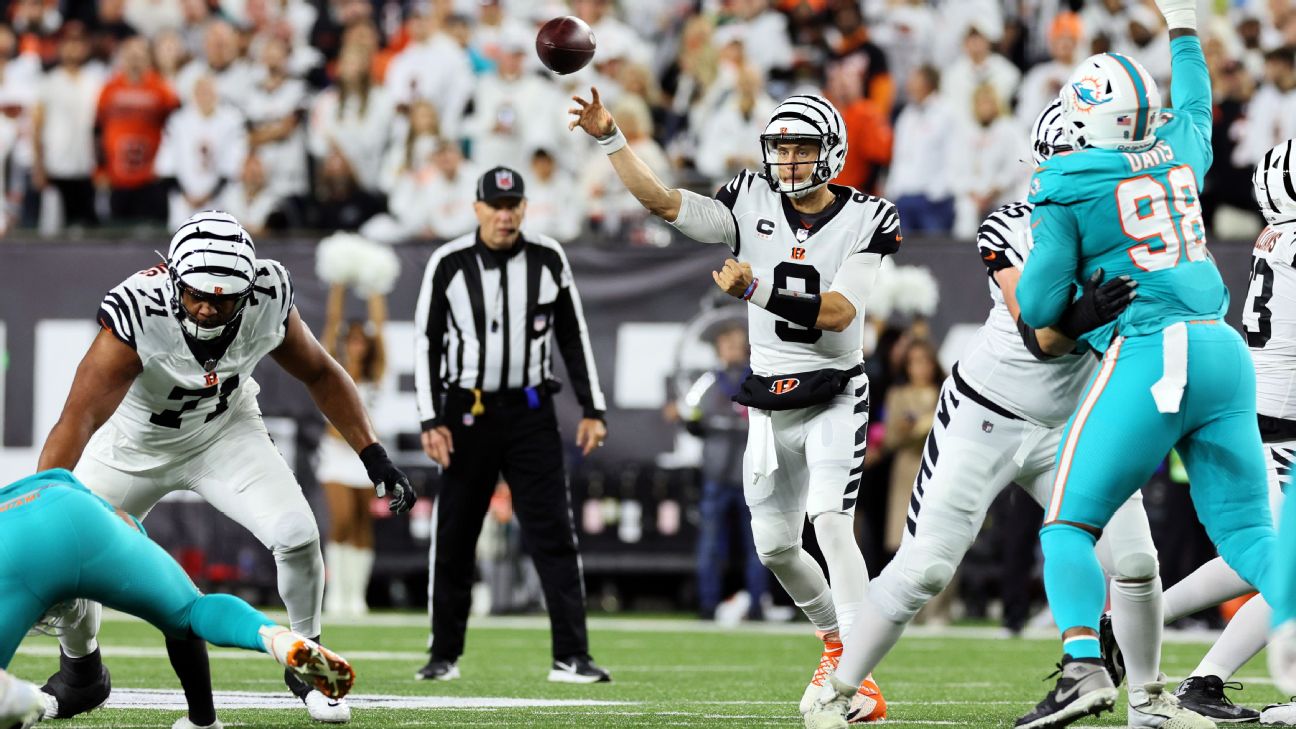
(80, 685)
(314, 664)
(1083, 688)
(184, 723)
(1205, 695)
(1151, 706)
(1113, 661)
(1279, 715)
(438, 669)
(578, 669)
(868, 705)
(828, 659)
(326, 710)
(830, 712)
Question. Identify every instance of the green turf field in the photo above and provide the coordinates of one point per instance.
(667, 673)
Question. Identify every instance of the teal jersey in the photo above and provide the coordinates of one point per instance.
(1131, 213)
(52, 477)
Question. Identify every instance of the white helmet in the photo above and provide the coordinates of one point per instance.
(803, 118)
(211, 258)
(1274, 184)
(1111, 102)
(1049, 135)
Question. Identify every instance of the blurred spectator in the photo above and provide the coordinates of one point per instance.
(432, 67)
(905, 32)
(222, 60)
(460, 29)
(340, 202)
(638, 80)
(20, 78)
(151, 17)
(688, 77)
(133, 108)
(353, 117)
(252, 201)
(332, 21)
(63, 124)
(919, 182)
(610, 204)
(1148, 41)
(868, 133)
(170, 55)
(730, 141)
(956, 19)
(494, 28)
(1106, 22)
(909, 408)
(710, 414)
(203, 149)
(978, 65)
(1042, 82)
(513, 113)
(764, 34)
(852, 47)
(988, 166)
(450, 194)
(276, 113)
(111, 23)
(1271, 116)
(552, 209)
(1229, 178)
(610, 30)
(36, 22)
(416, 137)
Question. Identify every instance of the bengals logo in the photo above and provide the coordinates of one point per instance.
(784, 386)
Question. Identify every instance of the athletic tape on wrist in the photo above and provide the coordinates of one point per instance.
(613, 142)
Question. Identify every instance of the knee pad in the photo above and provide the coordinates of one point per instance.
(909, 583)
(774, 540)
(1136, 566)
(294, 530)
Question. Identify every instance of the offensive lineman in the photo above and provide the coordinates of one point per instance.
(999, 421)
(169, 380)
(810, 252)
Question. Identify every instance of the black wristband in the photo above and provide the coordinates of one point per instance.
(798, 308)
(1031, 340)
(374, 456)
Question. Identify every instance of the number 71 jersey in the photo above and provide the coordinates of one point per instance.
(786, 253)
(1269, 318)
(176, 406)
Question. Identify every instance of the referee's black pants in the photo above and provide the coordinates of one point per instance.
(524, 446)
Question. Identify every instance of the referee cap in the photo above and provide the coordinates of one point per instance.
(500, 183)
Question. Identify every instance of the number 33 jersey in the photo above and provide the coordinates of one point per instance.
(175, 406)
(1269, 318)
(804, 254)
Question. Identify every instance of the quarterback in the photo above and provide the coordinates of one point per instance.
(806, 253)
(164, 401)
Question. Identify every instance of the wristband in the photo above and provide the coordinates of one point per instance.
(613, 142)
(750, 289)
(373, 457)
(1181, 18)
(760, 296)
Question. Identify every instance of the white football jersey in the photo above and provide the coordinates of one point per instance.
(175, 406)
(771, 237)
(998, 365)
(1269, 318)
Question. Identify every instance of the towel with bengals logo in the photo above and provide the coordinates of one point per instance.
(794, 391)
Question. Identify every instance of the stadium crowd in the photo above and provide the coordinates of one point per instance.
(375, 115)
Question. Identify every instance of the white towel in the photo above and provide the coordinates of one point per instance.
(765, 460)
(1168, 391)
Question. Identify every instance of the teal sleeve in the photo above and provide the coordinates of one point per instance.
(1190, 86)
(1048, 281)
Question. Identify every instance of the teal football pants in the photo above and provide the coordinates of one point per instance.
(1116, 440)
(58, 543)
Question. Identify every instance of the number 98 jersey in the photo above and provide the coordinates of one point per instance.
(786, 252)
(1269, 318)
(176, 406)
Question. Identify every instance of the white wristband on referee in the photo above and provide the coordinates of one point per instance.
(613, 142)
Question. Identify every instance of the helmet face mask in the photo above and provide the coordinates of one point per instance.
(803, 120)
(1049, 134)
(1111, 102)
(229, 309)
(212, 262)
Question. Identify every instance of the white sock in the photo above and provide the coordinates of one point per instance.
(1244, 637)
(268, 633)
(335, 572)
(866, 647)
(361, 568)
(78, 639)
(1208, 586)
(847, 573)
(301, 585)
(821, 612)
(1136, 620)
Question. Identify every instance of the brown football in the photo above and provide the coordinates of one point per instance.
(565, 44)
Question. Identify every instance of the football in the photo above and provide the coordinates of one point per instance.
(565, 44)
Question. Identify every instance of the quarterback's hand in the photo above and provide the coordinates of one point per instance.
(591, 116)
(734, 278)
(1099, 303)
(438, 444)
(590, 434)
(388, 480)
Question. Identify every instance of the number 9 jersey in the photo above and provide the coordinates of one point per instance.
(1269, 318)
(181, 400)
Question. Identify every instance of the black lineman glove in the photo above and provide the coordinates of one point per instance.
(388, 479)
(1099, 303)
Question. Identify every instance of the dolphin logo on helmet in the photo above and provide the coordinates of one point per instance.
(1111, 102)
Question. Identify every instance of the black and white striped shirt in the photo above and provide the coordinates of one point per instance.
(488, 320)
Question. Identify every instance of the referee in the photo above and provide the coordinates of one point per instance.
(491, 308)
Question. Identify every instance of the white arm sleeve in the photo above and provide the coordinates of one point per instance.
(706, 220)
(855, 279)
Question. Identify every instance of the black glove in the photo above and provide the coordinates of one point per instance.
(387, 478)
(1099, 303)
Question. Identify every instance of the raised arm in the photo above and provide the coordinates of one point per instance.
(102, 380)
(1190, 84)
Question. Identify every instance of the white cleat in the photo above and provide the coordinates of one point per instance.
(1279, 715)
(1151, 706)
(316, 665)
(1282, 657)
(829, 712)
(184, 723)
(326, 710)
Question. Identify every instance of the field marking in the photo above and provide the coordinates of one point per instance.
(136, 698)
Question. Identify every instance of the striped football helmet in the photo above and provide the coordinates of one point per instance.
(1274, 184)
(1049, 135)
(212, 258)
(1111, 102)
(804, 118)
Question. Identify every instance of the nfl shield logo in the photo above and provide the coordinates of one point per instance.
(987, 426)
(504, 179)
(802, 234)
(539, 322)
